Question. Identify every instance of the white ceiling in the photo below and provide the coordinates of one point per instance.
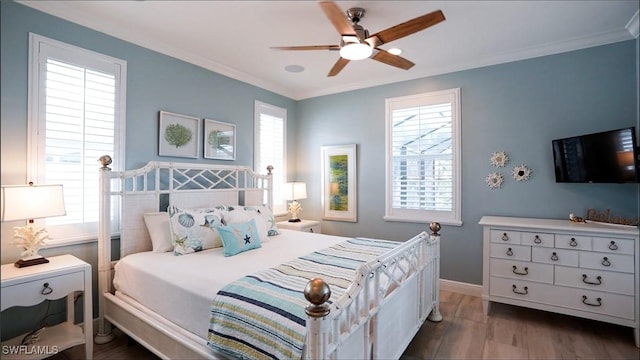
(233, 37)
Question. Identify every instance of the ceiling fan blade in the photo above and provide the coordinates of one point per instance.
(308, 47)
(393, 60)
(409, 27)
(338, 66)
(337, 18)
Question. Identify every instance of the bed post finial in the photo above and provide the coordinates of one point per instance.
(105, 160)
(435, 227)
(269, 169)
(317, 292)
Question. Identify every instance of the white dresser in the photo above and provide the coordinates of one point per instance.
(589, 270)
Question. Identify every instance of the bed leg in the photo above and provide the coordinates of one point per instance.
(435, 315)
(104, 334)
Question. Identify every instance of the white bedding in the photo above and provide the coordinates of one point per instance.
(181, 288)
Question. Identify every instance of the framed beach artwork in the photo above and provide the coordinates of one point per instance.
(219, 140)
(339, 193)
(179, 135)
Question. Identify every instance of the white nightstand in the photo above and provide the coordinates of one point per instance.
(28, 286)
(303, 225)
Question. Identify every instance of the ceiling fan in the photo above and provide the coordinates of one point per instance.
(357, 44)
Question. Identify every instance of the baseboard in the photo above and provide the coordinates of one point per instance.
(461, 288)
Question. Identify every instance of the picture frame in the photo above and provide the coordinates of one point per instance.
(219, 140)
(178, 135)
(339, 179)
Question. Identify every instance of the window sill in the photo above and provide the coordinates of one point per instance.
(75, 241)
(409, 220)
(51, 245)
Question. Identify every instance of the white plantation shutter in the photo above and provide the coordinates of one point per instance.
(77, 108)
(79, 129)
(423, 173)
(270, 125)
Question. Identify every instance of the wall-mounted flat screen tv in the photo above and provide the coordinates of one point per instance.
(604, 157)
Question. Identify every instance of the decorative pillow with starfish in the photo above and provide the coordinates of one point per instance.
(239, 237)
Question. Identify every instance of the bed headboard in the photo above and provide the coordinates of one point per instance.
(157, 185)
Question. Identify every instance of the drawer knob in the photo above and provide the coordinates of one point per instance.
(584, 280)
(505, 237)
(509, 252)
(515, 290)
(310, 229)
(554, 257)
(605, 261)
(46, 290)
(573, 242)
(537, 240)
(584, 301)
(515, 271)
(613, 246)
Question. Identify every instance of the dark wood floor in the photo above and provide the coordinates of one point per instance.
(509, 332)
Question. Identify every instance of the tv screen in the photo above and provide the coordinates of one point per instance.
(605, 157)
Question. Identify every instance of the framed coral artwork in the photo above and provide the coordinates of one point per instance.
(219, 140)
(179, 135)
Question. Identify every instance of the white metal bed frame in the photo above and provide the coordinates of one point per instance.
(402, 284)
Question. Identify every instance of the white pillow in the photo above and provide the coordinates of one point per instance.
(265, 222)
(159, 230)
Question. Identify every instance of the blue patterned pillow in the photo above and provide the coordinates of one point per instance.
(239, 237)
(194, 230)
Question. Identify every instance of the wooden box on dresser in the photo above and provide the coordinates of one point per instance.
(582, 269)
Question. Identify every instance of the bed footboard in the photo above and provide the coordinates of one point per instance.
(405, 281)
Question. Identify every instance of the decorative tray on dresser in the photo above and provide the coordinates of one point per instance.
(582, 269)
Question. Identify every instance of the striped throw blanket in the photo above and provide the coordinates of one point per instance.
(261, 316)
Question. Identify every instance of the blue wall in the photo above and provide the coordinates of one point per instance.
(154, 82)
(518, 108)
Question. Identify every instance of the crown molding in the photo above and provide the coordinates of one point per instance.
(70, 13)
(496, 59)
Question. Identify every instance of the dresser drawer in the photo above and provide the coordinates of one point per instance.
(505, 236)
(555, 256)
(598, 280)
(604, 303)
(509, 251)
(615, 246)
(617, 305)
(34, 292)
(537, 239)
(605, 261)
(522, 270)
(577, 242)
(517, 289)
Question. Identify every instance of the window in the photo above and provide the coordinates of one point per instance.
(423, 158)
(270, 145)
(76, 115)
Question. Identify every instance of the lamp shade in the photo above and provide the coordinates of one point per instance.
(295, 191)
(22, 202)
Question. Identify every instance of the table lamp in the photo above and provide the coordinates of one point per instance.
(28, 202)
(295, 191)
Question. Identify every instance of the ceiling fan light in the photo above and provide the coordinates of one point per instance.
(356, 51)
